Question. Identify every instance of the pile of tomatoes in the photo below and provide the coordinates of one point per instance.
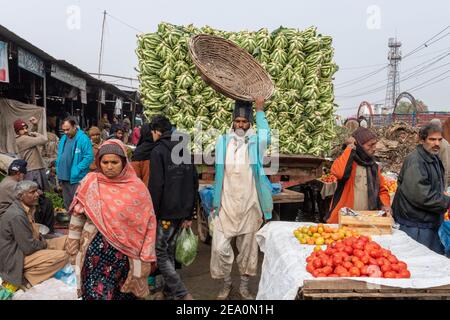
(356, 257)
(328, 178)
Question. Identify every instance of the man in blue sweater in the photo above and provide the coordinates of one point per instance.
(75, 155)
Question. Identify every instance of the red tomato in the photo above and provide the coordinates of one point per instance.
(354, 272)
(347, 265)
(363, 238)
(348, 259)
(333, 275)
(355, 259)
(337, 260)
(358, 245)
(339, 270)
(344, 274)
(315, 273)
(309, 267)
(359, 264)
(365, 259)
(329, 251)
(309, 259)
(395, 267)
(375, 253)
(380, 262)
(317, 263)
(349, 250)
(392, 259)
(327, 270)
(389, 274)
(358, 253)
(364, 270)
(321, 275)
(404, 273)
(348, 242)
(386, 267)
(373, 261)
(402, 265)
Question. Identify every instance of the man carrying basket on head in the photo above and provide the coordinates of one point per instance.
(242, 196)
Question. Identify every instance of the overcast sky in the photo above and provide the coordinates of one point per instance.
(71, 30)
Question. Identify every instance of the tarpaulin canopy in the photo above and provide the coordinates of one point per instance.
(10, 111)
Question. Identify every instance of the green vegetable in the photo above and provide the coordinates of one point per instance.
(55, 198)
(299, 62)
(186, 247)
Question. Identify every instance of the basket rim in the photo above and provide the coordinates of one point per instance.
(216, 85)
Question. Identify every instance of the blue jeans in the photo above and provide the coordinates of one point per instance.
(426, 236)
(166, 240)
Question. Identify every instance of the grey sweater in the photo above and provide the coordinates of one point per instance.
(16, 242)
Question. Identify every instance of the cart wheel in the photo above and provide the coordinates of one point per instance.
(202, 226)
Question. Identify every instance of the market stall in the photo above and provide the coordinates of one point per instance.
(284, 275)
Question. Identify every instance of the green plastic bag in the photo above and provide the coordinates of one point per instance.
(186, 249)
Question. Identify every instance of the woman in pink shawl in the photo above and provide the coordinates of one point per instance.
(112, 229)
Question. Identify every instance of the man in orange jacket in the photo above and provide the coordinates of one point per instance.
(360, 183)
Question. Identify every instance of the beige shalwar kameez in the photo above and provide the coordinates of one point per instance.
(240, 214)
(43, 264)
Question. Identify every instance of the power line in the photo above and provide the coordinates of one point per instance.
(429, 84)
(426, 82)
(426, 44)
(124, 23)
(408, 76)
(113, 76)
(358, 79)
(362, 67)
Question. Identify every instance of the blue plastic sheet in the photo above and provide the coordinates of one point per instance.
(67, 275)
(206, 199)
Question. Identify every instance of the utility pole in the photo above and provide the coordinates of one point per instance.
(393, 86)
(101, 45)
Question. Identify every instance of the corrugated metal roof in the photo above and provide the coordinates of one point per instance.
(12, 37)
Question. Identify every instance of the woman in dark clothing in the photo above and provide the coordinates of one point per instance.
(141, 157)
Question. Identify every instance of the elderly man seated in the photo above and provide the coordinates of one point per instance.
(25, 257)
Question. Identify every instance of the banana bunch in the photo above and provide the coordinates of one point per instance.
(300, 63)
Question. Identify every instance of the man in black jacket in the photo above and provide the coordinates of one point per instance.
(173, 186)
(420, 202)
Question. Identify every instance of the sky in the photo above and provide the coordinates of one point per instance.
(71, 30)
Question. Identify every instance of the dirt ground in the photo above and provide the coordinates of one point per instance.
(197, 277)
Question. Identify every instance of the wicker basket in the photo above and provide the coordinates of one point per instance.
(229, 69)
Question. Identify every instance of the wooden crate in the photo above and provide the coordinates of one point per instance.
(367, 223)
(352, 289)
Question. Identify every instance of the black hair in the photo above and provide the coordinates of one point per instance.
(70, 120)
(160, 123)
(12, 172)
(428, 129)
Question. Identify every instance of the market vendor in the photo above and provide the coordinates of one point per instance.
(360, 183)
(94, 134)
(28, 144)
(16, 172)
(420, 202)
(24, 254)
(242, 196)
(444, 154)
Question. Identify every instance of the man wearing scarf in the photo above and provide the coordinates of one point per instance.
(242, 196)
(360, 183)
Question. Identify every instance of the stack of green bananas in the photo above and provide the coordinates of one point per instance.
(299, 62)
